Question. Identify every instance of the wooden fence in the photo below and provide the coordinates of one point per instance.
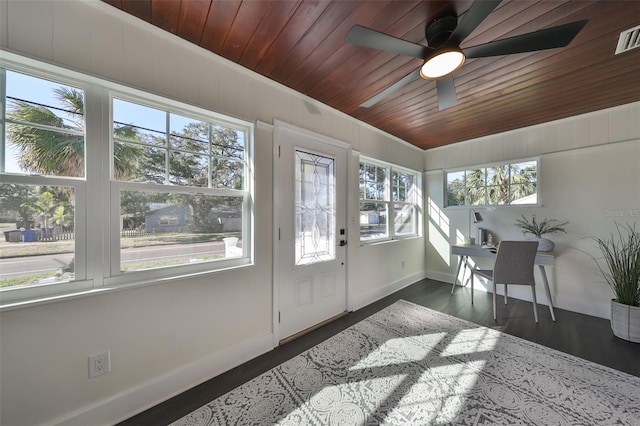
(34, 235)
(140, 232)
(57, 236)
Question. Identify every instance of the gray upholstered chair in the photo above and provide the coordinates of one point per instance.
(513, 266)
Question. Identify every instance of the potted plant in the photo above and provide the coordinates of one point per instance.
(540, 228)
(621, 270)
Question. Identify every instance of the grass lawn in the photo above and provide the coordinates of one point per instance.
(34, 249)
(56, 247)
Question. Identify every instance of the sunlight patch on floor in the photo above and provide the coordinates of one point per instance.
(455, 382)
(341, 405)
(401, 350)
(471, 341)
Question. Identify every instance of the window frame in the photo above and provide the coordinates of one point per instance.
(446, 172)
(390, 202)
(81, 279)
(117, 277)
(97, 192)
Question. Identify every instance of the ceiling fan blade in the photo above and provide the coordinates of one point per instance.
(446, 93)
(548, 38)
(376, 40)
(477, 13)
(389, 90)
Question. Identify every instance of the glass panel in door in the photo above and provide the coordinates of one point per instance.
(315, 209)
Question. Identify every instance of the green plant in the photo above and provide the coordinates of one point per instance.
(621, 254)
(540, 228)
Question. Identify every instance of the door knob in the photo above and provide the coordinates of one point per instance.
(343, 243)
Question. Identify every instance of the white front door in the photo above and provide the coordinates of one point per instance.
(311, 212)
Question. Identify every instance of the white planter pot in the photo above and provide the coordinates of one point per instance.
(625, 321)
(544, 244)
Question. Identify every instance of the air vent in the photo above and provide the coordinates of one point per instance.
(628, 40)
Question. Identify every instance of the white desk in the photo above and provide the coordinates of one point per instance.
(542, 259)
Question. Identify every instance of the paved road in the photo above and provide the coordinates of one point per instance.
(36, 264)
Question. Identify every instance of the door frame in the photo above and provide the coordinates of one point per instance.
(278, 127)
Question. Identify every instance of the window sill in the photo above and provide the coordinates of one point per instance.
(388, 240)
(42, 300)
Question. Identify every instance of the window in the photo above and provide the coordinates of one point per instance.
(181, 181)
(171, 194)
(501, 184)
(389, 201)
(43, 169)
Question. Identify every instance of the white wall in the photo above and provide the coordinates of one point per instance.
(590, 176)
(166, 338)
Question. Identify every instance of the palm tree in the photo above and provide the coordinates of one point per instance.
(523, 181)
(493, 185)
(53, 145)
(45, 205)
(43, 148)
(61, 217)
(476, 190)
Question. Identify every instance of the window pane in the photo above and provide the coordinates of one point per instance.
(189, 134)
(39, 244)
(166, 229)
(456, 188)
(362, 181)
(476, 178)
(523, 194)
(404, 219)
(402, 184)
(373, 181)
(456, 177)
(475, 196)
(137, 163)
(45, 127)
(497, 195)
(193, 147)
(522, 173)
(373, 221)
(227, 174)
(226, 142)
(139, 123)
(188, 169)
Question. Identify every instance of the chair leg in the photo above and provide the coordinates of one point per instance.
(535, 303)
(472, 276)
(505, 294)
(494, 301)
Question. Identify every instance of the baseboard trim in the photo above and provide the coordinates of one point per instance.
(379, 293)
(440, 276)
(133, 401)
(600, 310)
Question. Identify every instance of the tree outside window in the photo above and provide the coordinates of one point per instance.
(181, 181)
(514, 183)
(388, 201)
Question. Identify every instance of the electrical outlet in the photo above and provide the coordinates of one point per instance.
(99, 364)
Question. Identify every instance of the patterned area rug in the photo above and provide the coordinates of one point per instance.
(410, 365)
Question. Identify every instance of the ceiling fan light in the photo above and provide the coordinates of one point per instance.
(441, 64)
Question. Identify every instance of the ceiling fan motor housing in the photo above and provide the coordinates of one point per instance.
(439, 30)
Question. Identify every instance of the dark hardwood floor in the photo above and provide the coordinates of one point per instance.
(577, 334)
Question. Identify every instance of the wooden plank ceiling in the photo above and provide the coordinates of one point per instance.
(301, 44)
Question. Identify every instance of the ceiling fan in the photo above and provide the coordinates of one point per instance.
(443, 56)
